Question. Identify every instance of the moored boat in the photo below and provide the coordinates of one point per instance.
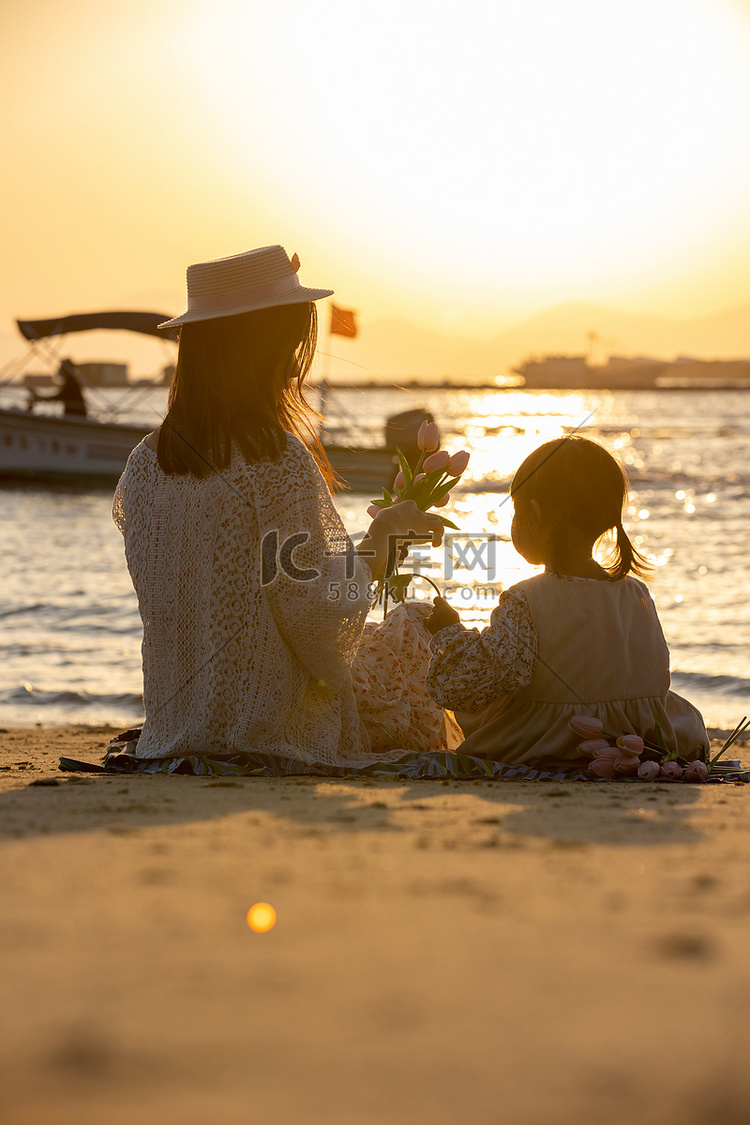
(58, 447)
(41, 446)
(44, 447)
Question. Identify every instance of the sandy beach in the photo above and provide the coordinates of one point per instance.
(481, 952)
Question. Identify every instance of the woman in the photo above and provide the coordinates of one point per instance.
(252, 596)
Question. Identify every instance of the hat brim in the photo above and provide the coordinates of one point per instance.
(297, 296)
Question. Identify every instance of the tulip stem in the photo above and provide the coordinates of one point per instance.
(740, 729)
(435, 587)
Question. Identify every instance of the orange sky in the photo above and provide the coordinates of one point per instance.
(461, 167)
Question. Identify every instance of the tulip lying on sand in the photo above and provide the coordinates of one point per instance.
(586, 725)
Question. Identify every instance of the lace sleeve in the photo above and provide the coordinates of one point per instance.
(317, 586)
(470, 670)
(118, 514)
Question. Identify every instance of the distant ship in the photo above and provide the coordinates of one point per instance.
(575, 372)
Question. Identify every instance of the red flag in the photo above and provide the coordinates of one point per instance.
(342, 322)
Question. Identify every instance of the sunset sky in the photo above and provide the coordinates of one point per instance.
(459, 166)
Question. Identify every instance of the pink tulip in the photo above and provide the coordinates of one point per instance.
(632, 743)
(696, 771)
(442, 501)
(602, 767)
(428, 437)
(437, 460)
(458, 462)
(672, 771)
(399, 482)
(592, 747)
(627, 763)
(419, 477)
(586, 725)
(611, 753)
(373, 511)
(647, 771)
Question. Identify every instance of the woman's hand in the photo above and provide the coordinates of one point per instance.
(398, 524)
(406, 521)
(441, 616)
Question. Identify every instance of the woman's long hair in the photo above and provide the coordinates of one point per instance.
(580, 485)
(239, 382)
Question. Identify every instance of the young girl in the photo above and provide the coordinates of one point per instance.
(580, 638)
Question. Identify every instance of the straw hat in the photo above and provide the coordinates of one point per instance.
(257, 279)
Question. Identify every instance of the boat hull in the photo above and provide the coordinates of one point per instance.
(37, 445)
(361, 469)
(43, 447)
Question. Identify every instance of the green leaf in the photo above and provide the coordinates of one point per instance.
(661, 741)
(446, 522)
(405, 467)
(441, 490)
(400, 580)
(667, 755)
(420, 493)
(387, 499)
(700, 753)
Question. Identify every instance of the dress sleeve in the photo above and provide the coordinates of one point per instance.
(317, 587)
(469, 670)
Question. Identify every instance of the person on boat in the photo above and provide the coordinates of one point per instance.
(252, 595)
(581, 638)
(70, 393)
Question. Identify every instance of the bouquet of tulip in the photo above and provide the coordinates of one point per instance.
(429, 485)
(629, 755)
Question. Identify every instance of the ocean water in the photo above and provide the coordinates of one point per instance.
(69, 626)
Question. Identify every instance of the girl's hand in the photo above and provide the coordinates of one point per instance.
(441, 616)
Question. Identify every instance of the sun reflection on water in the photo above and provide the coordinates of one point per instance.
(58, 639)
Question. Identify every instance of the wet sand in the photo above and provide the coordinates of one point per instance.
(482, 952)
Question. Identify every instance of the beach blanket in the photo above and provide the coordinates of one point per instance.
(121, 757)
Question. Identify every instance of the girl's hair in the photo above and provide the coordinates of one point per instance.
(580, 484)
(239, 381)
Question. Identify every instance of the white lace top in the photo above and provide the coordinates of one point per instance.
(240, 655)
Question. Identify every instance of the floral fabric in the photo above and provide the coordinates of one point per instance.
(388, 677)
(471, 670)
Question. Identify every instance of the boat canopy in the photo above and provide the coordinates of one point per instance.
(144, 322)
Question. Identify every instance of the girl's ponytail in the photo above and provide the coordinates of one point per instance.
(626, 558)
